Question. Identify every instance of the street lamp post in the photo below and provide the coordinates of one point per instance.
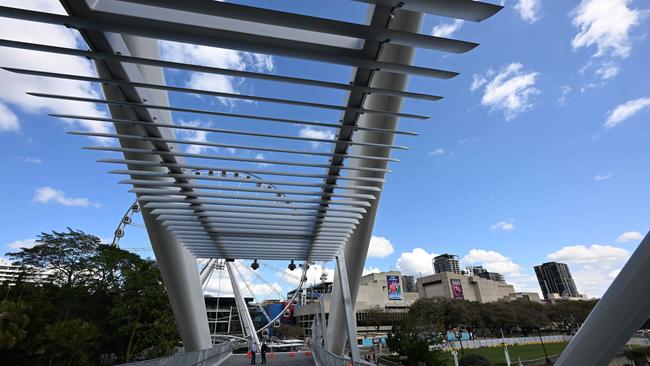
(539, 332)
(459, 336)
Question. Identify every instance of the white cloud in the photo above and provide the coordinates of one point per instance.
(529, 10)
(380, 247)
(607, 70)
(314, 274)
(446, 30)
(593, 268)
(509, 91)
(503, 225)
(316, 133)
(416, 262)
(626, 110)
(14, 86)
(33, 161)
(260, 156)
(629, 236)
(8, 119)
(493, 261)
(436, 152)
(215, 57)
(367, 271)
(25, 243)
(522, 278)
(592, 254)
(198, 136)
(49, 194)
(605, 24)
(600, 177)
(565, 89)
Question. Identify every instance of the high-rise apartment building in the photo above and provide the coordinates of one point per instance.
(484, 273)
(555, 278)
(446, 263)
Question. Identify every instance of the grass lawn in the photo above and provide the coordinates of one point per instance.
(526, 352)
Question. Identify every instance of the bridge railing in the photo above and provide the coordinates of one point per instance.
(322, 356)
(206, 357)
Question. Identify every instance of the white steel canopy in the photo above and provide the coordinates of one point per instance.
(302, 204)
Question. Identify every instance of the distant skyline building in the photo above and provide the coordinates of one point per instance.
(484, 273)
(408, 284)
(446, 263)
(555, 278)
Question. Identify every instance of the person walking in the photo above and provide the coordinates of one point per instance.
(263, 351)
(253, 351)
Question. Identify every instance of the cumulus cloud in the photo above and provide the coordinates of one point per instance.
(583, 254)
(260, 156)
(507, 225)
(316, 133)
(529, 10)
(522, 278)
(629, 236)
(508, 91)
(198, 136)
(593, 268)
(605, 25)
(626, 110)
(493, 261)
(49, 194)
(24, 243)
(215, 57)
(8, 119)
(565, 90)
(14, 86)
(380, 247)
(416, 262)
(447, 30)
(436, 152)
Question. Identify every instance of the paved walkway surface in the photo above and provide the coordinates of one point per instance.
(276, 358)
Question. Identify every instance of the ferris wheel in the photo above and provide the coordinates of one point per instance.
(220, 276)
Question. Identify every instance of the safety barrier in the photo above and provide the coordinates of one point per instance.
(207, 357)
(498, 342)
(322, 356)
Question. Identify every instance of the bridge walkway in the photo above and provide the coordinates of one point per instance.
(275, 358)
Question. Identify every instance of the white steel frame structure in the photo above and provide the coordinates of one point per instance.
(334, 200)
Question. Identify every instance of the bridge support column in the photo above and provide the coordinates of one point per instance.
(346, 304)
(619, 313)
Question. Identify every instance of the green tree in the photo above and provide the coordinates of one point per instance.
(474, 359)
(70, 342)
(67, 254)
(141, 314)
(290, 331)
(409, 341)
(13, 323)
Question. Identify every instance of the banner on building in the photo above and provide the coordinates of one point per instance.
(394, 288)
(457, 289)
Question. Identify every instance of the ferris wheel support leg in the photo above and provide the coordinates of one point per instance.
(242, 308)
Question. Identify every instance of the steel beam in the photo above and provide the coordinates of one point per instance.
(621, 311)
(356, 248)
(242, 308)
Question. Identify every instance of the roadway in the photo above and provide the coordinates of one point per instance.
(275, 358)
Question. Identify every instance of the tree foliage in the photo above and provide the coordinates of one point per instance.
(102, 302)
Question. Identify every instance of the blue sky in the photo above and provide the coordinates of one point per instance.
(538, 151)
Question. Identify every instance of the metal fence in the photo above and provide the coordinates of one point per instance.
(207, 357)
(498, 342)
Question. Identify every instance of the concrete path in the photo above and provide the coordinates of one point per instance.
(276, 358)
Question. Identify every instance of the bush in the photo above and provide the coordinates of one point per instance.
(474, 360)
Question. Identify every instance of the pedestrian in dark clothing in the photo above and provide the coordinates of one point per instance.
(263, 350)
